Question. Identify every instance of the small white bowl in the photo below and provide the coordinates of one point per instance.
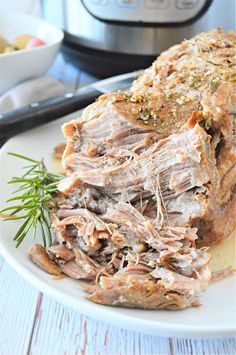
(18, 66)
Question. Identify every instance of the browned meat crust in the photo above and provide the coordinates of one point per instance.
(39, 256)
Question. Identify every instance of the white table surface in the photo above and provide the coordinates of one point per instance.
(32, 323)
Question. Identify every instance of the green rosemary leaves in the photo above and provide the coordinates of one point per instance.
(32, 199)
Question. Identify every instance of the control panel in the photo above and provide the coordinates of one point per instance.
(145, 11)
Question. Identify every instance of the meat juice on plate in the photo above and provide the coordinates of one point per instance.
(223, 255)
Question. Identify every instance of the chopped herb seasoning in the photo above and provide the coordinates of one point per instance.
(136, 98)
(216, 64)
(171, 94)
(233, 77)
(214, 83)
(144, 115)
(205, 121)
(195, 82)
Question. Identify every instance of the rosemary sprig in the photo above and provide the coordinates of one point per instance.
(34, 196)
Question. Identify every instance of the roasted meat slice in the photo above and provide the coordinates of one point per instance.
(135, 286)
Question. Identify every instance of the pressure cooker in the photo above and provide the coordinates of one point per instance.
(108, 37)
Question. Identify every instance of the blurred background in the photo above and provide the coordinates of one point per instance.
(109, 37)
(31, 7)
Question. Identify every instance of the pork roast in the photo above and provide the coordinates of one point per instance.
(150, 180)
